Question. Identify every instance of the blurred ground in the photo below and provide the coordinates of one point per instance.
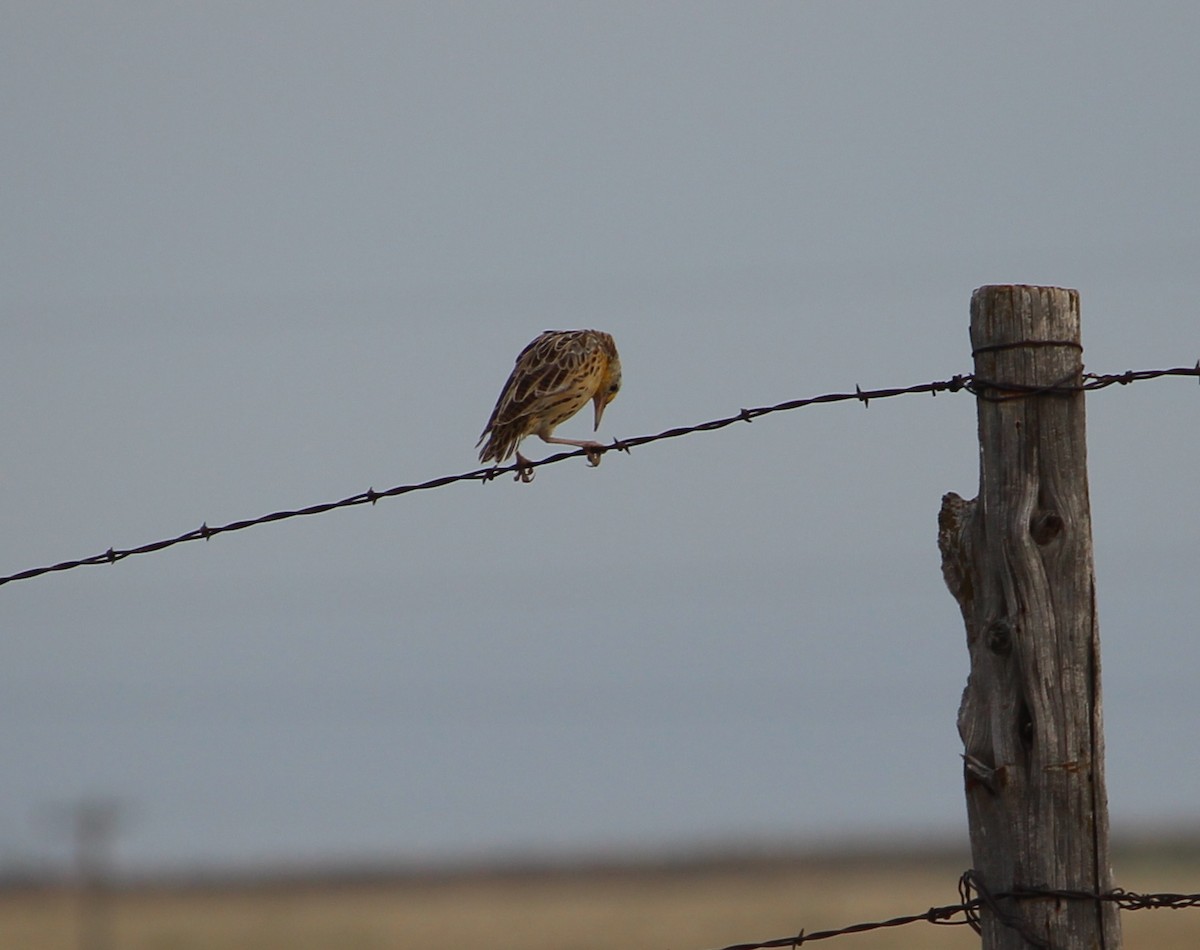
(696, 904)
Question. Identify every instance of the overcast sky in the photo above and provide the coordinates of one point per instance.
(257, 256)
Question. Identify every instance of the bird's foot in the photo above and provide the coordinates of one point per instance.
(524, 470)
(593, 450)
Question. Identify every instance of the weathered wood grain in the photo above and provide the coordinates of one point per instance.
(1018, 559)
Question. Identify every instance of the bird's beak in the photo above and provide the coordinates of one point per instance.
(599, 402)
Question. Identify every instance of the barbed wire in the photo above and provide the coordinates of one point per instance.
(975, 897)
(982, 388)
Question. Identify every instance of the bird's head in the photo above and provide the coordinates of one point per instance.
(606, 392)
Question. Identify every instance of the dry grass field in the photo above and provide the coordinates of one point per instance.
(679, 906)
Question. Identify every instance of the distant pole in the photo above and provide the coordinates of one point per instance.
(1018, 559)
(94, 822)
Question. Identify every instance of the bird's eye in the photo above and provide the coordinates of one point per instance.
(614, 387)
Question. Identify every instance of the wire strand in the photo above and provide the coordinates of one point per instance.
(984, 389)
(970, 906)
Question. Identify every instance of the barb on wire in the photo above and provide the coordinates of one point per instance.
(997, 391)
(968, 910)
(960, 383)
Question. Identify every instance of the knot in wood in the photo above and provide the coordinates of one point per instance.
(999, 637)
(1045, 527)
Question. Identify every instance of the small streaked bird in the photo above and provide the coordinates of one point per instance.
(555, 376)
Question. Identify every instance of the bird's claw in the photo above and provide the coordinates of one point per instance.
(593, 452)
(524, 470)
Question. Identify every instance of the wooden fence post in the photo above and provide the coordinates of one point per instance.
(1018, 559)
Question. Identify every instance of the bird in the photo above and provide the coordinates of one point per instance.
(554, 377)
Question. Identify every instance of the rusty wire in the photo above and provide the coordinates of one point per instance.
(961, 383)
(976, 898)
(996, 391)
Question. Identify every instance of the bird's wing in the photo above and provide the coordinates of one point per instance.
(544, 368)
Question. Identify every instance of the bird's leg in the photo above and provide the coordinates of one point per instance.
(594, 449)
(524, 470)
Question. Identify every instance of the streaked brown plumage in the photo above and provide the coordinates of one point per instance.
(555, 376)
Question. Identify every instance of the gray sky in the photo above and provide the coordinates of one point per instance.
(262, 256)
